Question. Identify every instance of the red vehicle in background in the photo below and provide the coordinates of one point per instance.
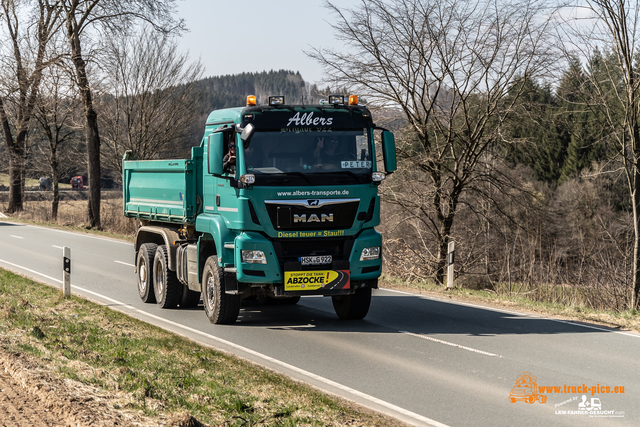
(77, 182)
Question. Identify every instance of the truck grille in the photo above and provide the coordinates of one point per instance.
(312, 214)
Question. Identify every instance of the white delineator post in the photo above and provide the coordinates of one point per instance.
(450, 259)
(66, 272)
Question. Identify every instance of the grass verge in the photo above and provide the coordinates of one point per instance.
(162, 372)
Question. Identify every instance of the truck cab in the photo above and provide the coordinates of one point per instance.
(293, 216)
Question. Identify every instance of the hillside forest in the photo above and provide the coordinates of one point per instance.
(517, 129)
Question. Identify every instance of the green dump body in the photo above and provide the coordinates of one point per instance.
(161, 190)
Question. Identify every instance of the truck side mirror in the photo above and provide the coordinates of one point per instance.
(246, 133)
(389, 151)
(214, 153)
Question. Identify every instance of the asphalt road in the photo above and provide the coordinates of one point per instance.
(423, 360)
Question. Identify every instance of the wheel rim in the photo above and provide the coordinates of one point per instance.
(159, 278)
(211, 293)
(142, 276)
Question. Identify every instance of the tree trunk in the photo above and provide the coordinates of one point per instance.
(16, 164)
(16, 153)
(91, 129)
(93, 155)
(635, 264)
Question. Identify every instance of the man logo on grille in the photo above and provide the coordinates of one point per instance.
(313, 218)
(313, 202)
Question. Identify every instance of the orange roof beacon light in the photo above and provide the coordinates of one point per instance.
(251, 101)
(353, 99)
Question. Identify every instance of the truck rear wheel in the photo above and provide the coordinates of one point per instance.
(220, 308)
(144, 267)
(166, 285)
(354, 306)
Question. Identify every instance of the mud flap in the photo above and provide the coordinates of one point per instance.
(231, 285)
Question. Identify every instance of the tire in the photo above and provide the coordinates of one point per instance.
(189, 298)
(220, 308)
(166, 285)
(144, 267)
(354, 306)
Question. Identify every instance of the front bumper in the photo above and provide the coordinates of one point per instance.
(280, 254)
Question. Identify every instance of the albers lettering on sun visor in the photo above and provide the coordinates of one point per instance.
(313, 280)
(307, 119)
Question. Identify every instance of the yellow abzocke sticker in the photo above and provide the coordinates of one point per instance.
(308, 280)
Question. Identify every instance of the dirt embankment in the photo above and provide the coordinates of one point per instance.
(31, 397)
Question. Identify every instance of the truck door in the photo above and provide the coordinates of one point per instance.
(219, 194)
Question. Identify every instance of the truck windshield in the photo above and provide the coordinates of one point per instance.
(316, 158)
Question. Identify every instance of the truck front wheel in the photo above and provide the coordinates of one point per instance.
(220, 308)
(167, 288)
(354, 306)
(144, 267)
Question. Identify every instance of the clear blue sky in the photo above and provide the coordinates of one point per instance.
(232, 37)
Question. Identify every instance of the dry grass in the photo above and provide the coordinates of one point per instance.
(28, 182)
(72, 212)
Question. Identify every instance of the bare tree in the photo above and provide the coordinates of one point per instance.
(152, 103)
(57, 108)
(27, 59)
(446, 67)
(614, 93)
(89, 18)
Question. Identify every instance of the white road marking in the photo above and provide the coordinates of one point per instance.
(424, 337)
(124, 263)
(30, 271)
(520, 315)
(17, 237)
(328, 382)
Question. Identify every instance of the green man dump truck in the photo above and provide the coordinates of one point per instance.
(278, 201)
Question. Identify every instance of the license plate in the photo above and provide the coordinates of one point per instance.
(315, 260)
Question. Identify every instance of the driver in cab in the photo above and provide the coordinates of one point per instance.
(326, 153)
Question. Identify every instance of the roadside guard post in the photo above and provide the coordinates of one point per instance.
(66, 271)
(450, 260)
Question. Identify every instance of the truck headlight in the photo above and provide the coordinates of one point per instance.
(370, 253)
(253, 257)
